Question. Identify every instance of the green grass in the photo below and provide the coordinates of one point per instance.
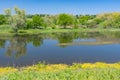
(79, 74)
(7, 30)
(37, 31)
(86, 71)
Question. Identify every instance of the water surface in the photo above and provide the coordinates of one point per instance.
(54, 48)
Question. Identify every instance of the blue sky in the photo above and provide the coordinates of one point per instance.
(62, 6)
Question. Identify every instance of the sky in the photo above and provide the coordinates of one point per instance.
(62, 6)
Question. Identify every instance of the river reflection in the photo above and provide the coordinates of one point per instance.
(17, 45)
(59, 48)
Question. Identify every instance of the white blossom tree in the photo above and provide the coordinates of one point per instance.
(17, 20)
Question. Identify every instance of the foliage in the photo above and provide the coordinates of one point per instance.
(109, 20)
(37, 21)
(65, 20)
(53, 26)
(83, 19)
(5, 28)
(2, 19)
(18, 20)
(116, 21)
(50, 21)
(29, 24)
(105, 24)
(76, 23)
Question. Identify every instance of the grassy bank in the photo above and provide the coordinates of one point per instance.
(37, 31)
(86, 71)
(7, 30)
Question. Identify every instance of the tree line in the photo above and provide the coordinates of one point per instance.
(18, 19)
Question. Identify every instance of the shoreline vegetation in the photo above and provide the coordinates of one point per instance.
(42, 71)
(20, 22)
(7, 30)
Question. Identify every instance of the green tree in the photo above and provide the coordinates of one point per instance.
(29, 24)
(83, 19)
(17, 20)
(65, 20)
(37, 21)
(2, 19)
(76, 23)
(50, 21)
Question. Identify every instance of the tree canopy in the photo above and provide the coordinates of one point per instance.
(16, 20)
(65, 20)
(2, 19)
(37, 21)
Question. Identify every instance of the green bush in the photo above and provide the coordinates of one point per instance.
(22, 31)
(53, 26)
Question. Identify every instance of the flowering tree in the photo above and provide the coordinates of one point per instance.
(16, 20)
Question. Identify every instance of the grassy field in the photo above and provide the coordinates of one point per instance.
(86, 71)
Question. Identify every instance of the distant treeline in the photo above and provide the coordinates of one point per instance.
(20, 20)
(43, 15)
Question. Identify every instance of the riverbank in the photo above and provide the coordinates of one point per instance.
(86, 71)
(7, 30)
(38, 31)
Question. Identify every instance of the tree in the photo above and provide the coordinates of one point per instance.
(29, 24)
(37, 21)
(83, 19)
(65, 20)
(50, 21)
(76, 23)
(17, 20)
(2, 19)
